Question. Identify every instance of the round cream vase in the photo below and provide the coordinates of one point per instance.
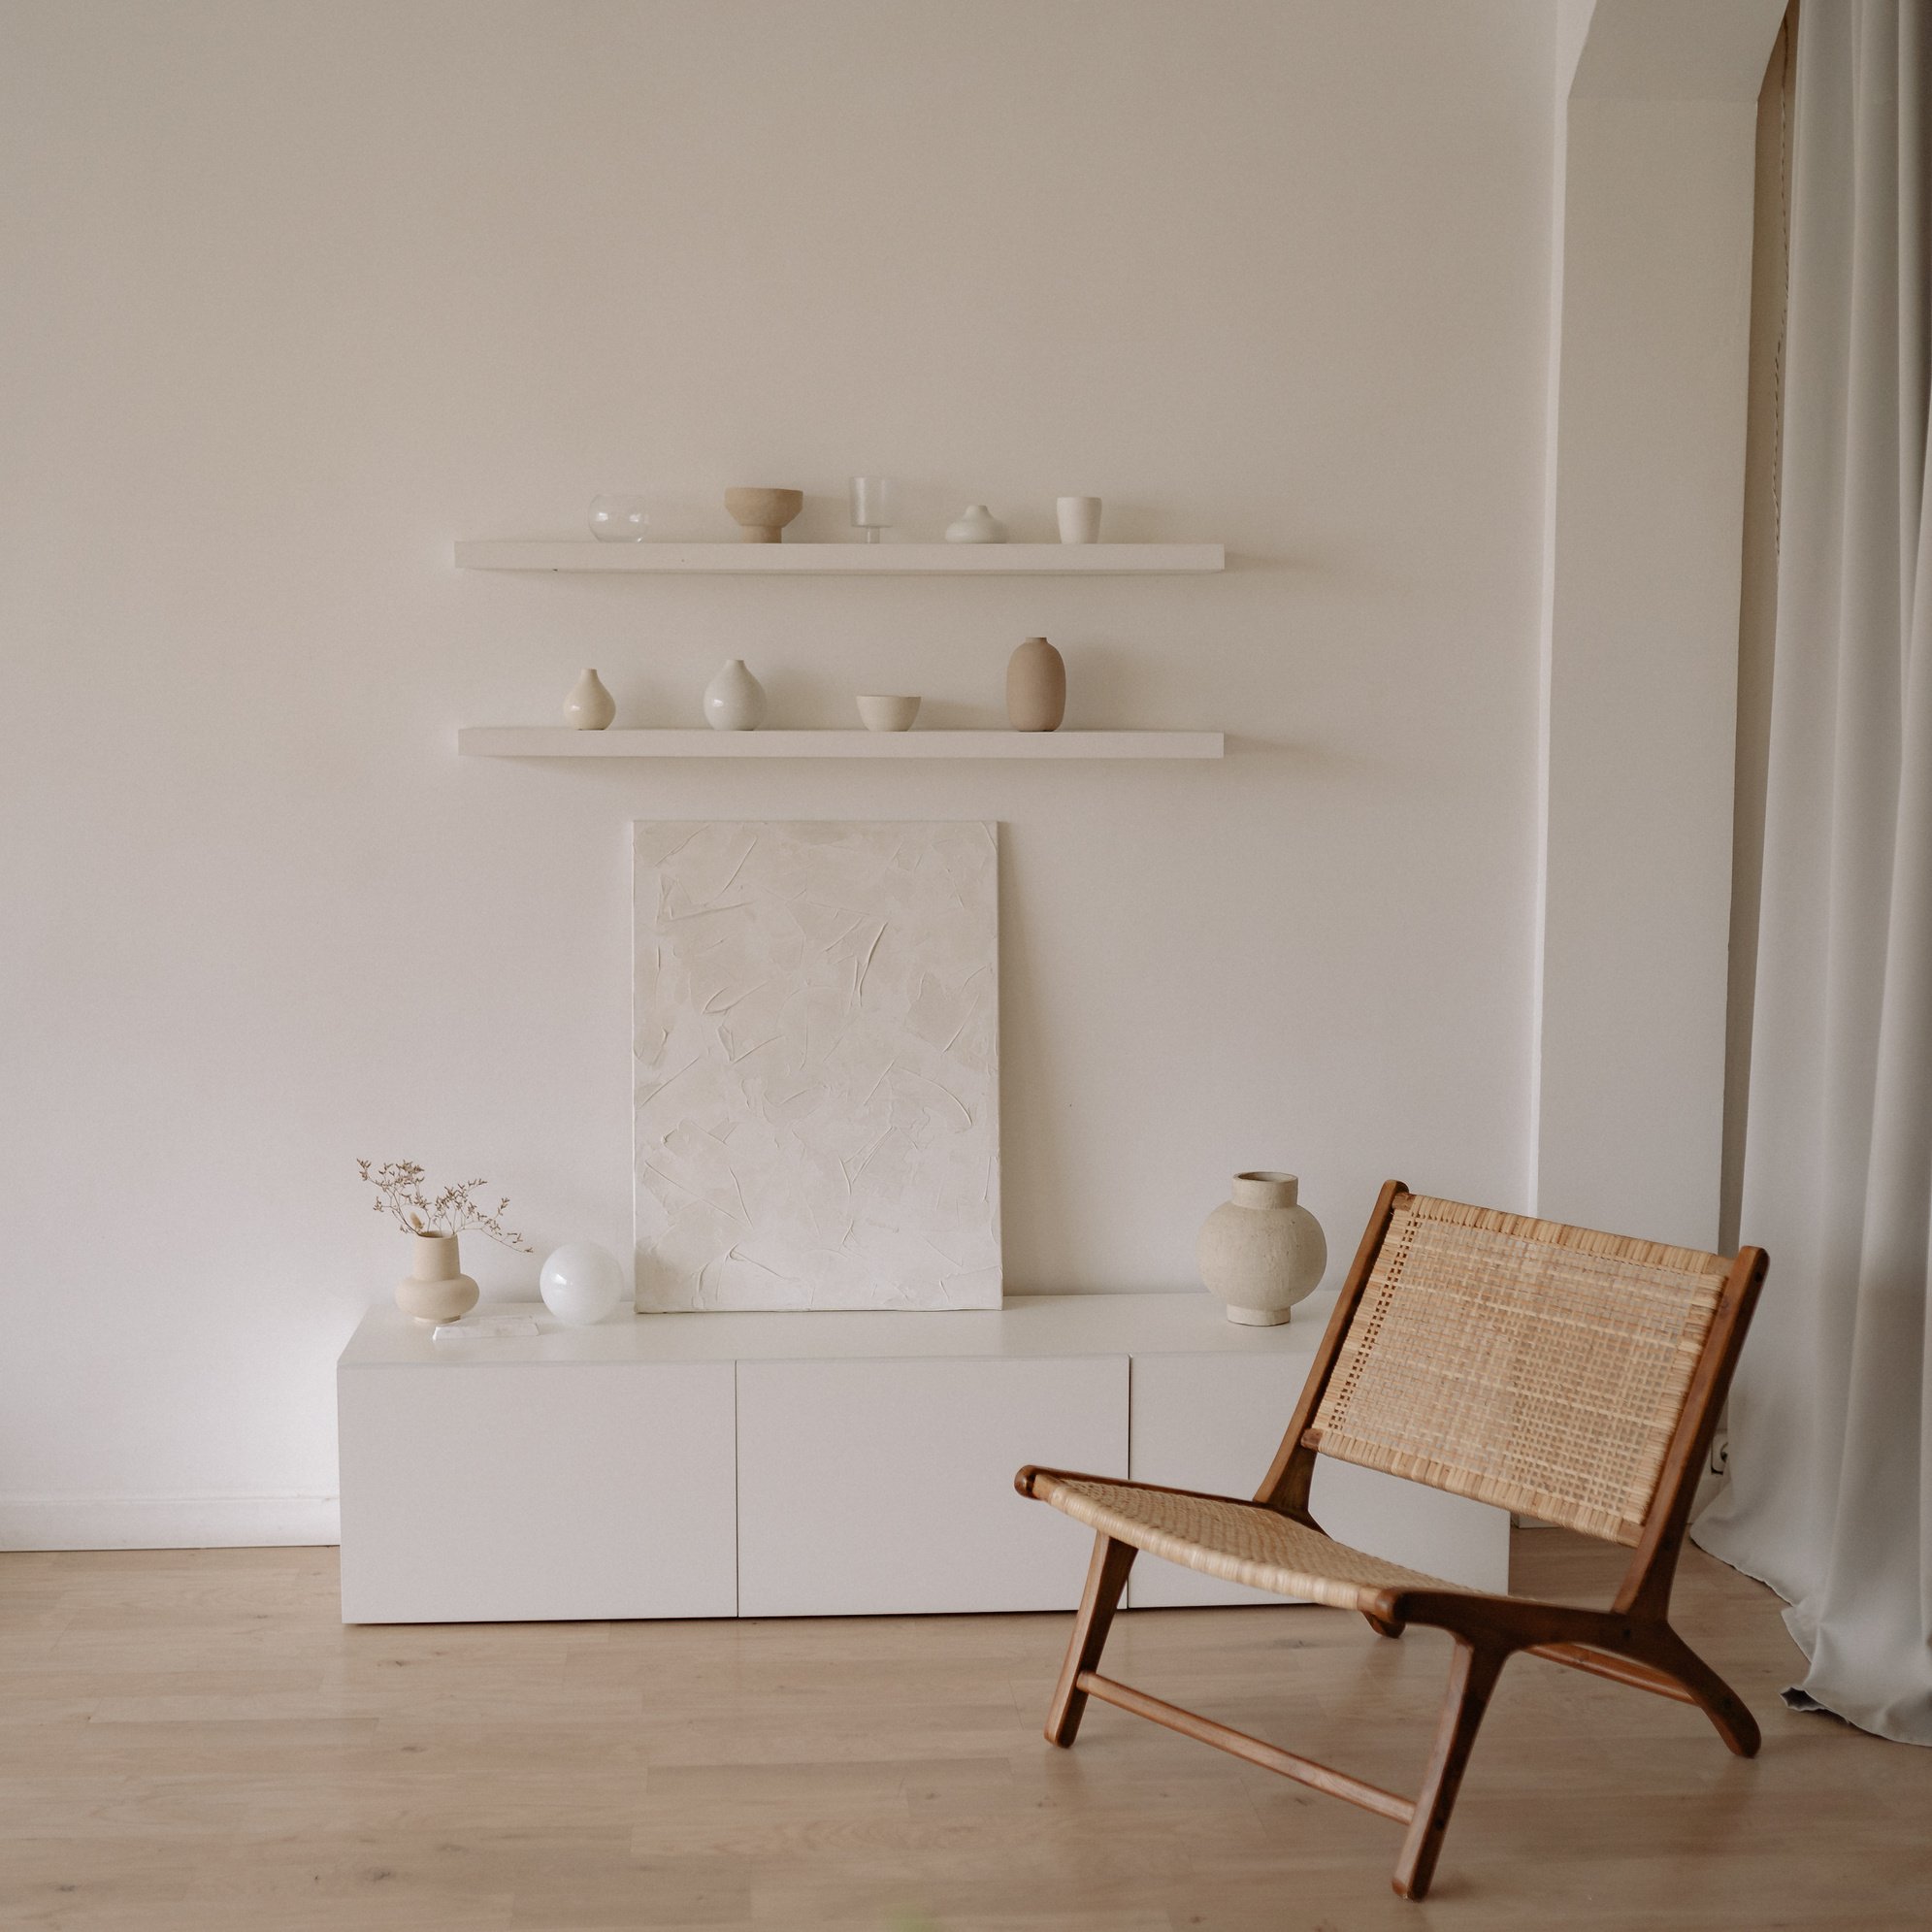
(436, 1290)
(1261, 1251)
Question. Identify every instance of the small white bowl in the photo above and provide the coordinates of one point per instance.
(888, 714)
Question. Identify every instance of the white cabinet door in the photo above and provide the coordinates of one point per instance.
(878, 1487)
(484, 1493)
(1214, 1422)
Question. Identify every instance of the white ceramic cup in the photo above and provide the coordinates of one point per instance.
(887, 714)
(1079, 519)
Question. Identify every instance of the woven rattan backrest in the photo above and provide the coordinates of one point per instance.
(1523, 1362)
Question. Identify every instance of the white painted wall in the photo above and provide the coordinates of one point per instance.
(1650, 340)
(295, 295)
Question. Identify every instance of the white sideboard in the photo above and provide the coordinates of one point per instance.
(823, 1464)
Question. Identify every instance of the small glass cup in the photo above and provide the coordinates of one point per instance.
(871, 506)
(618, 519)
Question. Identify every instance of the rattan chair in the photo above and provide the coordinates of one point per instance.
(1571, 1375)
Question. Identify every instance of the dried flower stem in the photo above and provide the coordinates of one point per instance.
(400, 1194)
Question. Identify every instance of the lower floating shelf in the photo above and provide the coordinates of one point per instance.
(561, 742)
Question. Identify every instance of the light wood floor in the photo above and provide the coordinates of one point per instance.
(191, 1740)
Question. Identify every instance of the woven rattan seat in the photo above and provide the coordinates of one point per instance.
(1241, 1543)
(1556, 1370)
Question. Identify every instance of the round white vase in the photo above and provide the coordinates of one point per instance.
(1260, 1252)
(589, 708)
(581, 1284)
(436, 1290)
(734, 699)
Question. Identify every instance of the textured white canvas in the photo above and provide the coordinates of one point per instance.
(817, 1047)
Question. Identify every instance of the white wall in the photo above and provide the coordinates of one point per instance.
(294, 295)
(1645, 525)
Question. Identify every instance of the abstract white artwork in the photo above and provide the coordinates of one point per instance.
(817, 1060)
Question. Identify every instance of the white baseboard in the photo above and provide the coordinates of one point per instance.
(166, 1522)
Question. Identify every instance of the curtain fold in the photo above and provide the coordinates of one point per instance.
(1830, 1499)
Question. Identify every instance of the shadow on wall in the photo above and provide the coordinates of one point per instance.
(1036, 1141)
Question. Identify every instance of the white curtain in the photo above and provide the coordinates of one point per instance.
(1830, 1499)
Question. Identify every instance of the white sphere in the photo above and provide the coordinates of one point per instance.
(581, 1282)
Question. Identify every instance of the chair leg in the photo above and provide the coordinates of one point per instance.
(1472, 1677)
(1106, 1578)
(1716, 1698)
(1381, 1625)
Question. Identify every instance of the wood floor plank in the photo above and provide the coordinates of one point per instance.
(191, 1742)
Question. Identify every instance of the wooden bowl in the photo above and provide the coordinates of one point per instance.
(764, 513)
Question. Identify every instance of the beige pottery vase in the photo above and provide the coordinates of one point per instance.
(1035, 687)
(1261, 1251)
(589, 708)
(436, 1290)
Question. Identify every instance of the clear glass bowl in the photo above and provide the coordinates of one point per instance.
(618, 519)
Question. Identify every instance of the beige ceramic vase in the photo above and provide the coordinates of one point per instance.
(589, 708)
(436, 1290)
(1260, 1252)
(1035, 687)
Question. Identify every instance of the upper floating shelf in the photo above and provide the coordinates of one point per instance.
(561, 742)
(885, 560)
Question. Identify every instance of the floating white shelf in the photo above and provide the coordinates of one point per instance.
(850, 559)
(561, 742)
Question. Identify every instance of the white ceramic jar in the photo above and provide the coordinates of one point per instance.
(1261, 1251)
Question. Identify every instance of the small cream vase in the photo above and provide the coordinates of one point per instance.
(436, 1290)
(1260, 1252)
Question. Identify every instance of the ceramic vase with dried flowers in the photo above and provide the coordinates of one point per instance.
(436, 1289)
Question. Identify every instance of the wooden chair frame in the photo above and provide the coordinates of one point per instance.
(1631, 1643)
